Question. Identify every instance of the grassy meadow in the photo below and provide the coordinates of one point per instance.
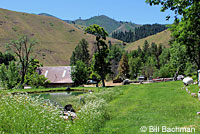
(116, 110)
(157, 104)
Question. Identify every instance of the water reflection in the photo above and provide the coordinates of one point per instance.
(61, 98)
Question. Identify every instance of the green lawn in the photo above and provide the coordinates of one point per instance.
(156, 104)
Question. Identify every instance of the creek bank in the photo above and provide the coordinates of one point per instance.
(50, 91)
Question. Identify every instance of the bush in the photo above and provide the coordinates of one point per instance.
(35, 80)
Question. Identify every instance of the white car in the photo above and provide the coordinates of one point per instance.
(92, 82)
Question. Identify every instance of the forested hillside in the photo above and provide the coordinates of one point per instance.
(139, 32)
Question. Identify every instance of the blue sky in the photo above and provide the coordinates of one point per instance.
(136, 11)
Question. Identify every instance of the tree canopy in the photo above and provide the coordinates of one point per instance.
(185, 30)
(79, 73)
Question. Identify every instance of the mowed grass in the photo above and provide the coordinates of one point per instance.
(156, 104)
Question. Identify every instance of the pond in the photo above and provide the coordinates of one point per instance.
(61, 98)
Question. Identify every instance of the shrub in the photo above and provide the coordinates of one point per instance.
(9, 76)
(94, 112)
(79, 73)
(51, 24)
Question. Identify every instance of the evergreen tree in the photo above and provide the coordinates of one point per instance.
(147, 30)
(156, 51)
(146, 48)
(139, 33)
(81, 53)
(123, 67)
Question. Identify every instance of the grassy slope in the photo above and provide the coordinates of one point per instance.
(159, 38)
(56, 38)
(126, 27)
(157, 104)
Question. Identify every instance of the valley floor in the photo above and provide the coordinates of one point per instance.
(158, 105)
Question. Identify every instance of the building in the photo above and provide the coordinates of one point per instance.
(59, 76)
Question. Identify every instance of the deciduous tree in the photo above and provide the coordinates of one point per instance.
(22, 49)
(101, 64)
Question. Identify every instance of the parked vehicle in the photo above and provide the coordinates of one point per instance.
(180, 77)
(141, 78)
(162, 79)
(92, 82)
(119, 80)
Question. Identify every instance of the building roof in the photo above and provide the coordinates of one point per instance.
(56, 74)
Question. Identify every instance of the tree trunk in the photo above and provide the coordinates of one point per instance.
(22, 81)
(103, 83)
(198, 64)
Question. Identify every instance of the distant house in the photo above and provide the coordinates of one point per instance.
(59, 76)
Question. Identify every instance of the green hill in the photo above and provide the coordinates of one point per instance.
(109, 24)
(56, 38)
(159, 38)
